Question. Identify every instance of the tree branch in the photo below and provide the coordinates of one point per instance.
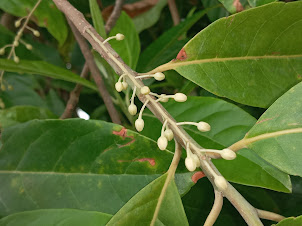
(114, 15)
(74, 95)
(174, 12)
(269, 215)
(218, 202)
(96, 75)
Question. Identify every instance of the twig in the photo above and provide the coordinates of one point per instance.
(269, 215)
(171, 173)
(218, 202)
(114, 15)
(74, 95)
(96, 75)
(174, 12)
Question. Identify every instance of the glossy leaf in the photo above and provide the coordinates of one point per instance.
(277, 136)
(97, 18)
(50, 217)
(228, 125)
(129, 48)
(149, 18)
(152, 56)
(216, 13)
(43, 68)
(46, 15)
(141, 208)
(291, 221)
(19, 114)
(252, 57)
(99, 166)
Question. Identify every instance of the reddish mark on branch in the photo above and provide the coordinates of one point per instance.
(151, 161)
(123, 134)
(182, 55)
(198, 175)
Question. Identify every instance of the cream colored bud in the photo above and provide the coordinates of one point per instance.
(139, 124)
(145, 90)
(17, 23)
(36, 33)
(180, 97)
(132, 109)
(228, 154)
(15, 43)
(203, 127)
(159, 76)
(220, 183)
(162, 143)
(119, 37)
(196, 160)
(29, 46)
(125, 85)
(169, 134)
(2, 51)
(190, 164)
(10, 87)
(119, 86)
(16, 59)
(163, 98)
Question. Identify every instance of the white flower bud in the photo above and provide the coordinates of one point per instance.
(220, 183)
(125, 85)
(159, 76)
(119, 37)
(162, 143)
(132, 109)
(139, 124)
(16, 59)
(196, 160)
(145, 90)
(180, 97)
(119, 86)
(203, 127)
(29, 46)
(163, 98)
(36, 33)
(168, 134)
(190, 164)
(15, 43)
(2, 51)
(17, 23)
(228, 154)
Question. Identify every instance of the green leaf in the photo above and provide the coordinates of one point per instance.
(152, 56)
(97, 165)
(229, 5)
(277, 136)
(141, 208)
(46, 15)
(216, 13)
(291, 221)
(255, 58)
(149, 18)
(255, 3)
(55, 103)
(97, 18)
(228, 125)
(52, 217)
(129, 48)
(43, 68)
(19, 114)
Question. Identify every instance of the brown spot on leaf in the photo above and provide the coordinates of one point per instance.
(238, 6)
(151, 161)
(275, 53)
(264, 120)
(182, 55)
(198, 175)
(123, 134)
(299, 77)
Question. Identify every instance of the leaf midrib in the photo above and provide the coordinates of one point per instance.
(171, 65)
